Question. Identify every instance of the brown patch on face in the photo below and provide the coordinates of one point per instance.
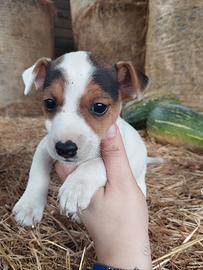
(131, 81)
(39, 63)
(128, 80)
(40, 70)
(54, 91)
(94, 94)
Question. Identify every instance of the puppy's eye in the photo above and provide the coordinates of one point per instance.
(50, 104)
(99, 109)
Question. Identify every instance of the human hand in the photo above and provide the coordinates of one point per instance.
(117, 217)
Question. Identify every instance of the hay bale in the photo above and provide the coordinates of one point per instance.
(174, 48)
(26, 35)
(174, 200)
(114, 30)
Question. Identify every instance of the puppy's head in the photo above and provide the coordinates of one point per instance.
(81, 101)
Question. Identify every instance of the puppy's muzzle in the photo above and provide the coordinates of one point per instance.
(67, 149)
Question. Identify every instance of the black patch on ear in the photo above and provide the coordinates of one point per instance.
(53, 73)
(106, 79)
(142, 78)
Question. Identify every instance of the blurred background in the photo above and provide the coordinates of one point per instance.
(164, 38)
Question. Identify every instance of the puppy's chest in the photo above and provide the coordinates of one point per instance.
(63, 170)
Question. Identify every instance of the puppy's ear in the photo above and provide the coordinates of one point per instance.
(131, 81)
(36, 75)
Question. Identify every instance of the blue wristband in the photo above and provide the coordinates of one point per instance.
(98, 266)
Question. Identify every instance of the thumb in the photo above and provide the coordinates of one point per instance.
(115, 158)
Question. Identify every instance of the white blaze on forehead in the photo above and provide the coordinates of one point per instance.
(77, 69)
(68, 124)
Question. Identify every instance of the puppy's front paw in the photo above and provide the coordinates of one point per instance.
(74, 195)
(28, 211)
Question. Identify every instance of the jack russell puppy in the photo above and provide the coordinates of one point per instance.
(82, 99)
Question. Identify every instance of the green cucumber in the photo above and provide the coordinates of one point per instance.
(136, 112)
(176, 124)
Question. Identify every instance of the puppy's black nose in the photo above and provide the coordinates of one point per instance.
(67, 149)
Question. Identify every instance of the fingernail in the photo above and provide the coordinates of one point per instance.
(110, 133)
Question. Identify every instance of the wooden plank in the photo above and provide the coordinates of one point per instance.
(60, 51)
(63, 42)
(66, 28)
(64, 14)
(63, 29)
(63, 33)
(63, 22)
(63, 4)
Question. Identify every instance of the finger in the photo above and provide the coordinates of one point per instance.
(115, 158)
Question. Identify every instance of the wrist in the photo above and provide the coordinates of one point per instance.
(118, 258)
(126, 257)
(98, 266)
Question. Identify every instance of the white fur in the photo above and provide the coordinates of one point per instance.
(29, 209)
(71, 126)
(80, 186)
(77, 70)
(68, 124)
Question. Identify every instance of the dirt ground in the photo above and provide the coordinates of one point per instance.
(175, 200)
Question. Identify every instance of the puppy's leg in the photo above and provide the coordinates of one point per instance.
(29, 209)
(76, 192)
